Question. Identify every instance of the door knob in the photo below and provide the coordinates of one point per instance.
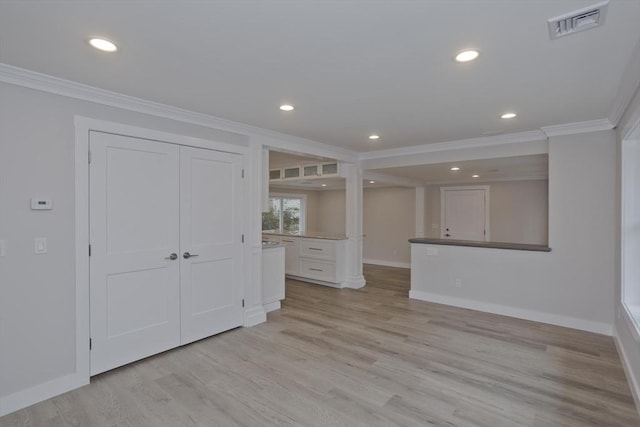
(187, 255)
(172, 256)
(447, 234)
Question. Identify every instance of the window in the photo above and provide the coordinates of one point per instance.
(630, 238)
(286, 214)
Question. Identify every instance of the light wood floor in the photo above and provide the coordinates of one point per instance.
(368, 357)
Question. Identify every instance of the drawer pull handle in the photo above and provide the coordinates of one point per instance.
(315, 249)
(288, 241)
(315, 269)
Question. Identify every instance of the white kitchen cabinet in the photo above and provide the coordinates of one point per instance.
(322, 261)
(292, 257)
(272, 277)
(313, 259)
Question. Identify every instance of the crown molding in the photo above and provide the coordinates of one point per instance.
(384, 178)
(55, 85)
(578, 127)
(489, 180)
(485, 141)
(629, 85)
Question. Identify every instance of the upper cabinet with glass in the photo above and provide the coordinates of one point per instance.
(308, 171)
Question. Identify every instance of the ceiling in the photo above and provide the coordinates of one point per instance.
(351, 68)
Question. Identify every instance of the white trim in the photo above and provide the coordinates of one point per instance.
(254, 316)
(315, 281)
(355, 282)
(23, 398)
(419, 230)
(480, 181)
(628, 165)
(81, 176)
(443, 213)
(275, 305)
(485, 141)
(632, 380)
(536, 316)
(632, 325)
(397, 264)
(46, 83)
(629, 85)
(383, 178)
(578, 127)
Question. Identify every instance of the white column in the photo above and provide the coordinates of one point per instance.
(419, 227)
(353, 176)
(254, 176)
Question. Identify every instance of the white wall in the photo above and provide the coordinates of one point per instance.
(331, 212)
(518, 211)
(389, 222)
(573, 284)
(37, 292)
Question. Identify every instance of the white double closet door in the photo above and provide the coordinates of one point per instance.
(166, 250)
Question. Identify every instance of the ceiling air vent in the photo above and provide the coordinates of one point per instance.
(580, 20)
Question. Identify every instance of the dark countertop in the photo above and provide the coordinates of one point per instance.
(472, 243)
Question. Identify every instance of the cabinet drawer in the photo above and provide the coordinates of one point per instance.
(320, 270)
(316, 248)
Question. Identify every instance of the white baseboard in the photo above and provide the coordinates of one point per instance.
(354, 282)
(40, 392)
(271, 306)
(254, 316)
(536, 316)
(387, 263)
(632, 379)
(316, 282)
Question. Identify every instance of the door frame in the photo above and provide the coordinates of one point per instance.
(83, 127)
(443, 190)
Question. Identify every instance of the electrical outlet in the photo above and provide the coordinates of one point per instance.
(458, 283)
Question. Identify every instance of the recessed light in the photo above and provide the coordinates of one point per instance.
(324, 185)
(103, 45)
(372, 182)
(372, 137)
(286, 107)
(508, 115)
(475, 176)
(455, 168)
(467, 55)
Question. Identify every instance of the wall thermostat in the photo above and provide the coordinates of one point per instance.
(41, 204)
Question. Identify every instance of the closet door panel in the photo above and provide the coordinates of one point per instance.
(211, 188)
(134, 218)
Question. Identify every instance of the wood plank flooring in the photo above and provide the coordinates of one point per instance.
(368, 357)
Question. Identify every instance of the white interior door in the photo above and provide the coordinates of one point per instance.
(464, 214)
(211, 242)
(134, 227)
